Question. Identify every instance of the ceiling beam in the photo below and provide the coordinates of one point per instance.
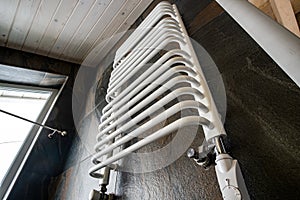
(258, 3)
(285, 15)
(296, 6)
(265, 6)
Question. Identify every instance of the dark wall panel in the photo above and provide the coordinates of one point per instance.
(263, 110)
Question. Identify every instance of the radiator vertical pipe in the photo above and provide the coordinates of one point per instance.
(281, 45)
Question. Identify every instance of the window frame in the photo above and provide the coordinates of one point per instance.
(28, 144)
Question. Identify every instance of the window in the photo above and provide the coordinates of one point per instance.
(17, 136)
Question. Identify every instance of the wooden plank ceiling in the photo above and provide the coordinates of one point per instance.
(66, 29)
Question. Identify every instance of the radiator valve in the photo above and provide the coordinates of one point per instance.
(204, 158)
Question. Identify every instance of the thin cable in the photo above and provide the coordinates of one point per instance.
(63, 133)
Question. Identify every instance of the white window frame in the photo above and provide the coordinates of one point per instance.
(26, 148)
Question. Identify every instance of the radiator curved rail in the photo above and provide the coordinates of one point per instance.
(186, 121)
(138, 88)
(157, 76)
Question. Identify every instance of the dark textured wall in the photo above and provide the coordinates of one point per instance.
(263, 110)
(48, 155)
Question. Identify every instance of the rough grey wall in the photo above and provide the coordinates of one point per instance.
(263, 110)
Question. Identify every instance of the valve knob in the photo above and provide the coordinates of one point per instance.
(191, 153)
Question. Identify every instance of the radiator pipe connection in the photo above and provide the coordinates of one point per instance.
(206, 154)
(219, 145)
(229, 175)
(104, 181)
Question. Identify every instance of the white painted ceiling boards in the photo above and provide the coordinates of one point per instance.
(65, 29)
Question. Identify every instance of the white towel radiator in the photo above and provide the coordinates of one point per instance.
(130, 93)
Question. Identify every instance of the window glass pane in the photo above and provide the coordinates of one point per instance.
(13, 131)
